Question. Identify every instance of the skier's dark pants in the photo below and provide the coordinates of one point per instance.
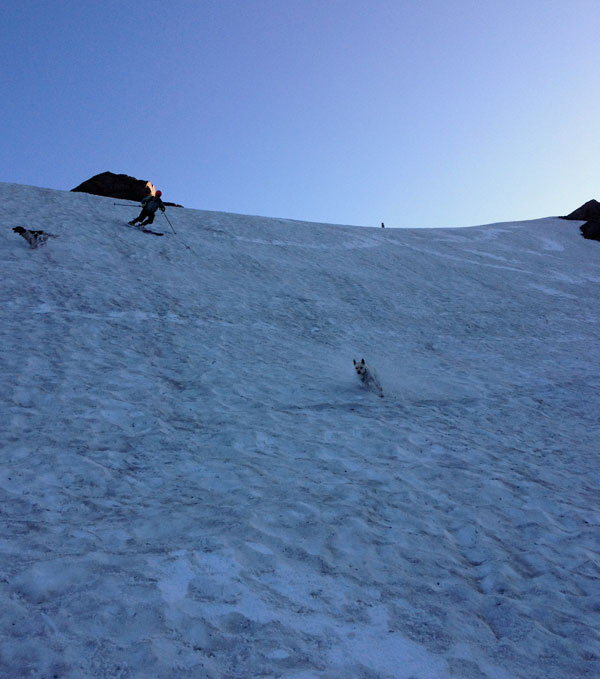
(144, 215)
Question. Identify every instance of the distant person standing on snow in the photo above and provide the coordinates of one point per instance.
(150, 204)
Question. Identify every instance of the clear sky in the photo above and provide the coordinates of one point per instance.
(412, 112)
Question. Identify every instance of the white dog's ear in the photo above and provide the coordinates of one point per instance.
(362, 361)
(353, 361)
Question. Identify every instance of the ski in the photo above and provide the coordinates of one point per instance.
(144, 230)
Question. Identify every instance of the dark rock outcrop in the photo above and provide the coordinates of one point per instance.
(116, 186)
(121, 186)
(591, 230)
(589, 211)
(590, 214)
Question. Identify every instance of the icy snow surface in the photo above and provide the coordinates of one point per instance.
(195, 484)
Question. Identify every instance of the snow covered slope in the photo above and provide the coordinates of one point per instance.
(195, 484)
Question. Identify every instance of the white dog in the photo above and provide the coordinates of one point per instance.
(367, 376)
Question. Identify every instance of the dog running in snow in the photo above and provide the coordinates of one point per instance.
(367, 376)
(34, 238)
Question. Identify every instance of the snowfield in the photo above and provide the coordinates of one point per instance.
(194, 483)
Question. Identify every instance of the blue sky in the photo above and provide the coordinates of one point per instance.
(413, 112)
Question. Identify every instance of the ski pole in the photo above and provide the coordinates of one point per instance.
(124, 204)
(171, 225)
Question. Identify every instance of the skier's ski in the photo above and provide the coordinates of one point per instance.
(145, 230)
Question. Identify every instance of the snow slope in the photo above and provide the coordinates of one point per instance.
(195, 484)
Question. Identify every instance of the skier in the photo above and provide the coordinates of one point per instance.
(150, 204)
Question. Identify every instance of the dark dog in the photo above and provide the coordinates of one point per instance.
(34, 238)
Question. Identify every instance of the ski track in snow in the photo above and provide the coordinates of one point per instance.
(194, 483)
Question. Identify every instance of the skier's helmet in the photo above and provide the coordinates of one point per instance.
(159, 193)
